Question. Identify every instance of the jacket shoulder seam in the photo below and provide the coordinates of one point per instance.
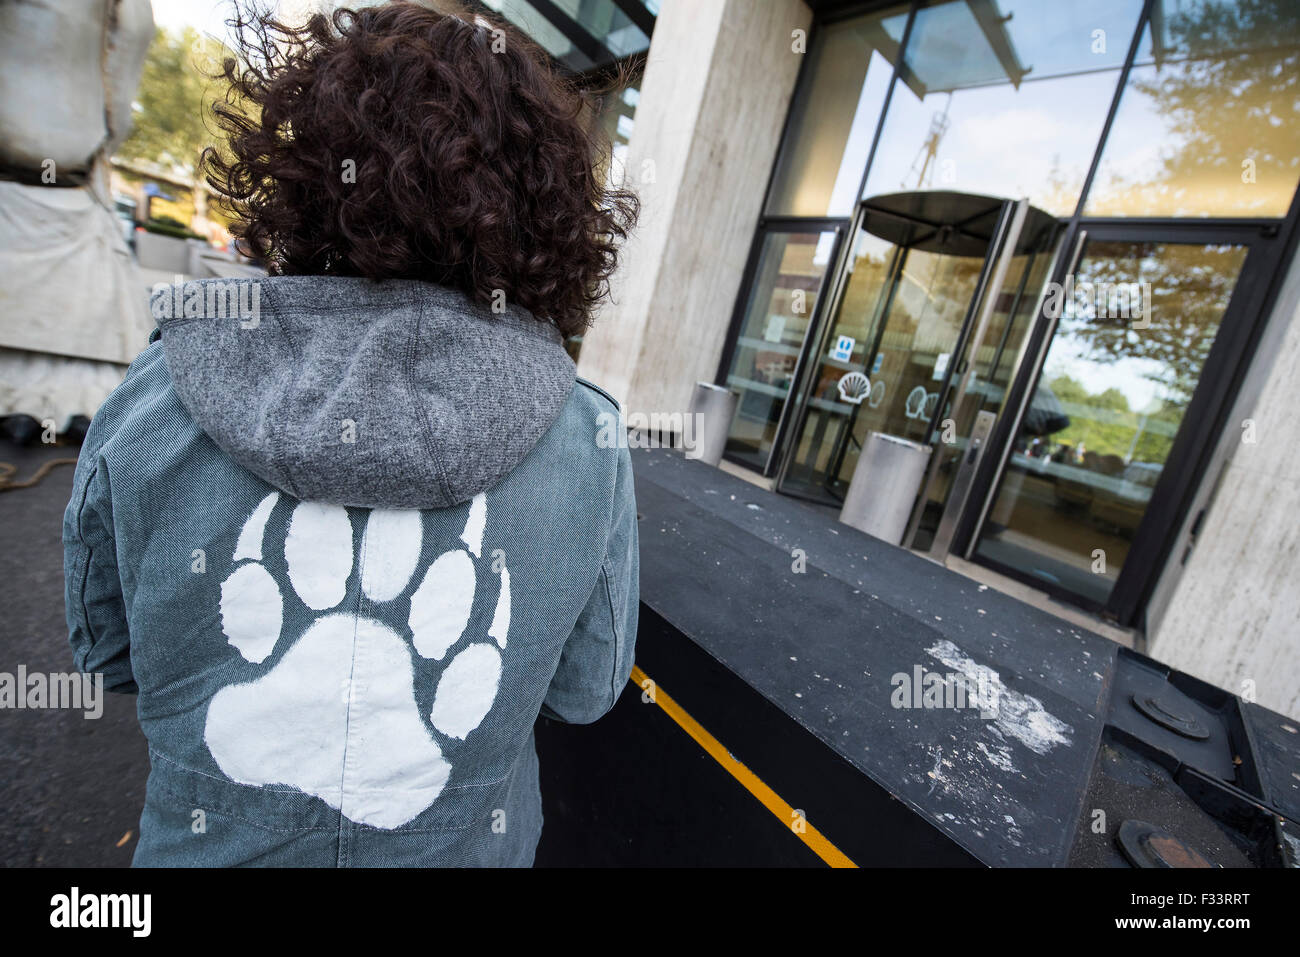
(599, 391)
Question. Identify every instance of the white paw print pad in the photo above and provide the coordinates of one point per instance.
(337, 715)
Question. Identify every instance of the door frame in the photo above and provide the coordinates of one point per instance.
(983, 301)
(767, 226)
(1202, 423)
(785, 447)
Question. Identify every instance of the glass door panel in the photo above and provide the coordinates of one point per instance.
(995, 361)
(787, 283)
(1134, 333)
(897, 325)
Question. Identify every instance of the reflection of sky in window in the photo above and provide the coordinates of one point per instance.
(949, 49)
(1057, 38)
(1001, 140)
(1138, 158)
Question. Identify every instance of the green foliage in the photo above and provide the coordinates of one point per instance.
(173, 102)
(1104, 423)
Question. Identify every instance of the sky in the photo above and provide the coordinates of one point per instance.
(206, 16)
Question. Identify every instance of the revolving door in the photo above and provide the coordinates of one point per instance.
(920, 343)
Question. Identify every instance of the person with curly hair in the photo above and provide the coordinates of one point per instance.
(348, 530)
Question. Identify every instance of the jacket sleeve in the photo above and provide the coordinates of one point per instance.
(97, 626)
(598, 655)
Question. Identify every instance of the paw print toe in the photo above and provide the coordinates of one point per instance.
(501, 617)
(250, 536)
(475, 524)
(392, 548)
(318, 551)
(252, 611)
(466, 690)
(441, 606)
(252, 608)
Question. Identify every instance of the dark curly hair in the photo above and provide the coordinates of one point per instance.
(400, 141)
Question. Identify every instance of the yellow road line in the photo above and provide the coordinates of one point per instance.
(814, 838)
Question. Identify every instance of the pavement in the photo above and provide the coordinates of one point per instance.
(71, 788)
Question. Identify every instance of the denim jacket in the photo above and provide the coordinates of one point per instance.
(345, 545)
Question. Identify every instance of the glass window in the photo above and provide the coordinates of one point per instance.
(830, 133)
(1135, 330)
(1207, 125)
(791, 270)
(613, 35)
(525, 16)
(1004, 98)
(607, 23)
(993, 364)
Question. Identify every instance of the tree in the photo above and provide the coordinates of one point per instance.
(1190, 288)
(174, 100)
(1228, 89)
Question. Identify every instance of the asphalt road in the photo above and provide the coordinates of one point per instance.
(71, 788)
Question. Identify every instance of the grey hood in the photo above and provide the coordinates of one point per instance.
(399, 394)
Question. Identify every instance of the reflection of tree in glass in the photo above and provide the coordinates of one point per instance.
(1228, 91)
(1113, 428)
(1190, 288)
(865, 284)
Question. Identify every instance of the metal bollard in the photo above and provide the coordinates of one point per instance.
(884, 486)
(711, 412)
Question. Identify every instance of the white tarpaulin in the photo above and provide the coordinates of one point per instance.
(54, 387)
(68, 285)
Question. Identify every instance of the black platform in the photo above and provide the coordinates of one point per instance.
(782, 632)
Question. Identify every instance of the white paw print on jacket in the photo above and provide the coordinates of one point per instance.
(336, 716)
